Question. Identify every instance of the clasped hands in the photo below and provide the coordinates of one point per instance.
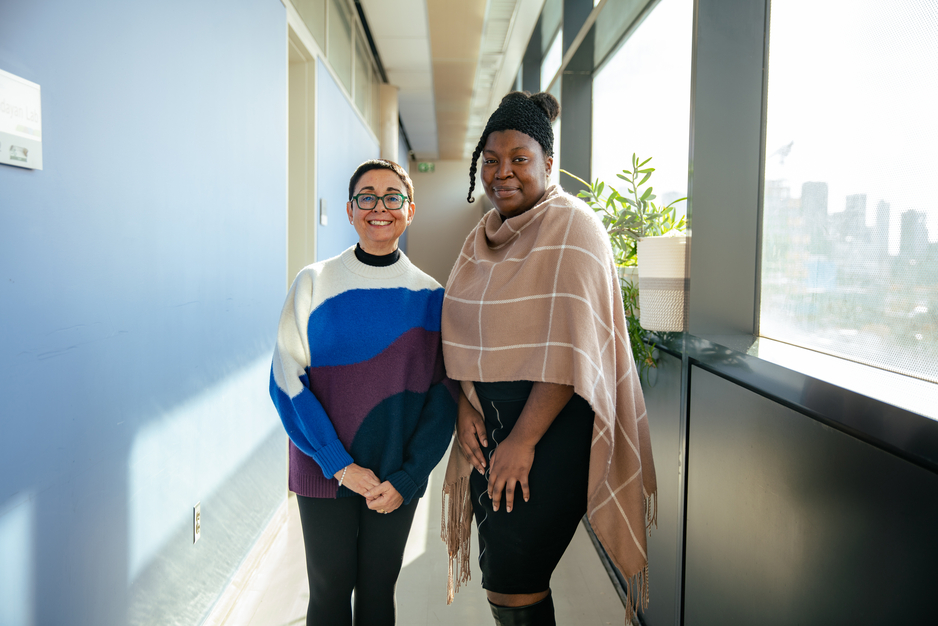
(511, 460)
(380, 496)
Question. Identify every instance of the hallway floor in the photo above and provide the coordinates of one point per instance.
(583, 593)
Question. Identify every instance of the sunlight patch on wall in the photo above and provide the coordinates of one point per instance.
(187, 454)
(17, 519)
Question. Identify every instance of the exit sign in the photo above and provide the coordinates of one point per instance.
(426, 167)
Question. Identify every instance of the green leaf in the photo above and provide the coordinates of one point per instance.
(575, 177)
(644, 162)
(645, 179)
(647, 195)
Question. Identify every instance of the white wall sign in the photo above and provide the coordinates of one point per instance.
(20, 122)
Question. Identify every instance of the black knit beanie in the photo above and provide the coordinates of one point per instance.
(526, 113)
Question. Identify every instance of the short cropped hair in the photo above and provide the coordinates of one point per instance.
(381, 164)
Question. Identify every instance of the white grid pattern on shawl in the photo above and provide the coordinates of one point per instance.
(623, 389)
(613, 498)
(553, 295)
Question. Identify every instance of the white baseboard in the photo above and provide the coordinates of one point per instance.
(239, 601)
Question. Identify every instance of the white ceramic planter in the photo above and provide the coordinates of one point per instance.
(662, 284)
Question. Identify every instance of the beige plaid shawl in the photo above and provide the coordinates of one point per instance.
(536, 297)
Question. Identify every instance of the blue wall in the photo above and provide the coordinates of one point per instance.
(141, 277)
(342, 143)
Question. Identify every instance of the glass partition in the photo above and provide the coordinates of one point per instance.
(313, 13)
(339, 50)
(363, 78)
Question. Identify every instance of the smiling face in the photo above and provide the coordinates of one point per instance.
(514, 171)
(379, 229)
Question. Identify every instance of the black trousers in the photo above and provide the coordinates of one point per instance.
(350, 547)
(519, 551)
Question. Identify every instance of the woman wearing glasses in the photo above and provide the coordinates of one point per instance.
(359, 383)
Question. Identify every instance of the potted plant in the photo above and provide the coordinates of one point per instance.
(647, 236)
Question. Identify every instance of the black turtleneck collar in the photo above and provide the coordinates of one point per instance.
(376, 261)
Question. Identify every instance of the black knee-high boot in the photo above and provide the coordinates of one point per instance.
(537, 614)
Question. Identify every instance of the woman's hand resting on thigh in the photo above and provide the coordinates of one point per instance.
(513, 458)
(357, 478)
(511, 463)
(470, 433)
(384, 498)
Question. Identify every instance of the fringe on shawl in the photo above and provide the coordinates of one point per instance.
(456, 532)
(637, 591)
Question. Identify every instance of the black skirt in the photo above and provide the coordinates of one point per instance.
(519, 551)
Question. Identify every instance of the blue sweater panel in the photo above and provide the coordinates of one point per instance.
(362, 380)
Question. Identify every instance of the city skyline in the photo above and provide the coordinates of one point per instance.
(830, 281)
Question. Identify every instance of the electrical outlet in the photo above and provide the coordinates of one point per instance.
(196, 521)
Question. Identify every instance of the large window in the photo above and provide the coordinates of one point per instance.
(617, 18)
(553, 58)
(339, 50)
(363, 79)
(347, 51)
(850, 219)
(641, 102)
(313, 13)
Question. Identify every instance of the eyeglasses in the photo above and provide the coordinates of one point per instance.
(392, 201)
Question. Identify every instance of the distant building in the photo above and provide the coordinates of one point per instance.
(881, 234)
(816, 219)
(913, 237)
(853, 219)
(814, 201)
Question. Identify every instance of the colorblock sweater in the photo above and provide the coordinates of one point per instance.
(358, 376)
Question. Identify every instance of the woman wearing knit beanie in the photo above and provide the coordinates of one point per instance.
(551, 413)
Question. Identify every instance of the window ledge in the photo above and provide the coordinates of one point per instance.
(896, 413)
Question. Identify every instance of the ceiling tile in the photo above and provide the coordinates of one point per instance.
(412, 81)
(410, 54)
(400, 17)
(448, 60)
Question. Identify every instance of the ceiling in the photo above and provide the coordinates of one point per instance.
(452, 62)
